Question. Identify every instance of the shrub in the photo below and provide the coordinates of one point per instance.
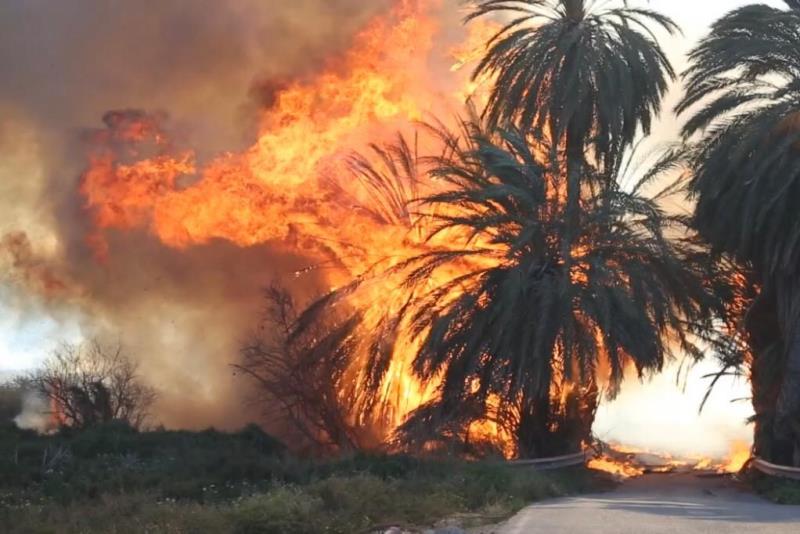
(89, 384)
(778, 490)
(281, 511)
(11, 400)
(113, 478)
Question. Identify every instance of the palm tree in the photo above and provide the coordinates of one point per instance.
(743, 95)
(581, 271)
(505, 336)
(589, 77)
(592, 75)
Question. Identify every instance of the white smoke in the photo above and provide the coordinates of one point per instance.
(35, 414)
(663, 415)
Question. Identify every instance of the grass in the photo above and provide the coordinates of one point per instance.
(115, 480)
(778, 490)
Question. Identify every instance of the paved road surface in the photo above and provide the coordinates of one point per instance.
(659, 504)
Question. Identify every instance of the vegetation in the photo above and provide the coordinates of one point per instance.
(553, 274)
(112, 478)
(300, 379)
(589, 75)
(527, 326)
(583, 274)
(743, 100)
(89, 384)
(11, 402)
(778, 490)
(584, 75)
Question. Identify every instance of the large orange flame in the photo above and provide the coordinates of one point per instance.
(290, 185)
(261, 194)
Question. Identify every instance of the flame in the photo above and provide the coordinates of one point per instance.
(480, 32)
(618, 460)
(739, 455)
(489, 431)
(622, 469)
(57, 417)
(289, 186)
(627, 462)
(263, 193)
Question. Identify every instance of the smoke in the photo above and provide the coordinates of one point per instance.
(181, 313)
(65, 64)
(35, 413)
(663, 413)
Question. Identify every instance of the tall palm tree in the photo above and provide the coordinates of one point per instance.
(506, 329)
(590, 73)
(587, 75)
(743, 99)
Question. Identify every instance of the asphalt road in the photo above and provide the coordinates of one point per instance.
(658, 504)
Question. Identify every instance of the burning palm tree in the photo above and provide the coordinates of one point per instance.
(515, 340)
(510, 341)
(743, 92)
(587, 76)
(548, 270)
(590, 77)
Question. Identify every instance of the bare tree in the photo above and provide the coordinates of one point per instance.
(87, 384)
(301, 380)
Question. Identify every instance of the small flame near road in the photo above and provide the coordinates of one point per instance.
(630, 462)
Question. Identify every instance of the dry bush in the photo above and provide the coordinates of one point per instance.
(88, 384)
(301, 380)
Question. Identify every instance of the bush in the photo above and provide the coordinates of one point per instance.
(11, 400)
(280, 511)
(89, 384)
(777, 490)
(113, 478)
(74, 465)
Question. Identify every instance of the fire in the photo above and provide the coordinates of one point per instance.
(622, 469)
(618, 460)
(489, 431)
(57, 417)
(480, 32)
(739, 455)
(627, 462)
(292, 186)
(277, 184)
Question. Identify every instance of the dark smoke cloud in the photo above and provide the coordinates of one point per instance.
(64, 64)
(182, 314)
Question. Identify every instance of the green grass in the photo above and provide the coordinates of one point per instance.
(115, 480)
(115, 459)
(777, 490)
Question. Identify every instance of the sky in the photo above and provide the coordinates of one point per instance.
(26, 339)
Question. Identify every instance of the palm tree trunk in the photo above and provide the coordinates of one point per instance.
(574, 164)
(763, 333)
(533, 437)
(574, 168)
(787, 409)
